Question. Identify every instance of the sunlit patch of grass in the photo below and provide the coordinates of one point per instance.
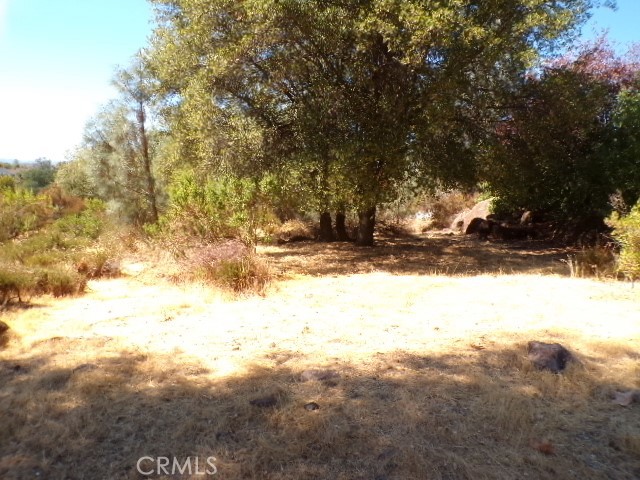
(433, 379)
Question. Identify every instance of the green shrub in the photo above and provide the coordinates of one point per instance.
(21, 211)
(19, 281)
(89, 223)
(213, 209)
(627, 233)
(15, 283)
(61, 281)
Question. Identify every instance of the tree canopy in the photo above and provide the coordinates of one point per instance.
(363, 94)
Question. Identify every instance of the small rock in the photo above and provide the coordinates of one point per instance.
(548, 356)
(312, 406)
(319, 375)
(626, 398)
(3, 327)
(265, 402)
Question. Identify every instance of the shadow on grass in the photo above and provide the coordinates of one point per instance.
(468, 415)
(434, 254)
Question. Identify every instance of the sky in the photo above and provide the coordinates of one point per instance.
(57, 58)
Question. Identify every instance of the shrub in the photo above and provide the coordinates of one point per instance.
(214, 209)
(596, 261)
(58, 258)
(15, 282)
(60, 281)
(88, 223)
(627, 233)
(445, 205)
(65, 203)
(229, 264)
(96, 263)
(248, 273)
(21, 211)
(18, 281)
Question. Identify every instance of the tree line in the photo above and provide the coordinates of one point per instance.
(340, 106)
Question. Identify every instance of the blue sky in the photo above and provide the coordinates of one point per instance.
(57, 58)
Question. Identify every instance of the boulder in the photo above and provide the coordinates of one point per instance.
(479, 210)
(526, 218)
(548, 356)
(480, 226)
(458, 222)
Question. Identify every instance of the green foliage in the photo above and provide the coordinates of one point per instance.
(226, 207)
(627, 233)
(549, 156)
(55, 255)
(21, 211)
(353, 97)
(87, 224)
(7, 183)
(74, 177)
(571, 140)
(39, 176)
(625, 150)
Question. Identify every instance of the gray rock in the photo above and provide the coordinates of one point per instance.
(548, 356)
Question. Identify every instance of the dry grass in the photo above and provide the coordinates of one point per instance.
(433, 377)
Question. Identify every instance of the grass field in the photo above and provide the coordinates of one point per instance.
(417, 349)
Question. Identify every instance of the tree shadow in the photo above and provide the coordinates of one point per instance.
(461, 415)
(426, 255)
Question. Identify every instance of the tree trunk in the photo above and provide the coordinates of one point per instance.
(146, 158)
(366, 225)
(326, 230)
(341, 228)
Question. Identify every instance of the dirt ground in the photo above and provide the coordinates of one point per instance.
(416, 349)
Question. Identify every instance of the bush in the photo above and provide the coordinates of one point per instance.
(18, 281)
(89, 223)
(15, 282)
(230, 264)
(294, 230)
(210, 210)
(248, 273)
(60, 281)
(21, 211)
(214, 209)
(627, 233)
(596, 261)
(58, 258)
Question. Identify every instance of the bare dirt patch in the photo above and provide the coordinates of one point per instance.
(432, 253)
(430, 377)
